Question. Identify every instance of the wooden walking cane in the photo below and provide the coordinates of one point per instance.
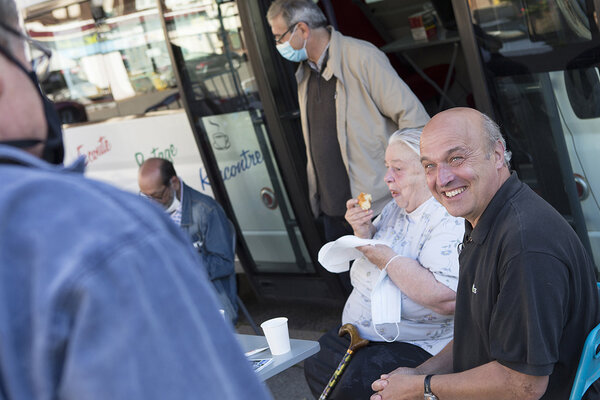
(356, 342)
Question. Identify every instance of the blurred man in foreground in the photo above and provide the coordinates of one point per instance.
(526, 296)
(100, 295)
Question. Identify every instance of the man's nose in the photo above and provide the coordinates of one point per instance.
(444, 175)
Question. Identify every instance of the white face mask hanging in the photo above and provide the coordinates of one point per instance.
(174, 203)
(386, 303)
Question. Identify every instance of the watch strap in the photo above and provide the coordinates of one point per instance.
(427, 384)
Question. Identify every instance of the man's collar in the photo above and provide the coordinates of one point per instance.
(12, 155)
(186, 203)
(180, 190)
(332, 65)
(322, 59)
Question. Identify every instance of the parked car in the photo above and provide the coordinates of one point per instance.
(70, 112)
(205, 65)
(63, 86)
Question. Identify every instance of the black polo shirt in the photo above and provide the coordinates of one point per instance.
(527, 294)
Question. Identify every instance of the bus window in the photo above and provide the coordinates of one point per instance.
(114, 62)
(530, 25)
(540, 62)
(218, 82)
(211, 49)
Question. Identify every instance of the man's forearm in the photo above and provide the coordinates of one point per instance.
(440, 364)
(490, 381)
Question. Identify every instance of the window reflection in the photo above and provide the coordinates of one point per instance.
(110, 60)
(218, 83)
(206, 39)
(530, 25)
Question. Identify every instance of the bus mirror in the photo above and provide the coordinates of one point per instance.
(583, 90)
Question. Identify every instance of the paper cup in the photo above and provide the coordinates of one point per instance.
(276, 332)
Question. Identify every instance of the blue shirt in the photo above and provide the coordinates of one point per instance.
(101, 296)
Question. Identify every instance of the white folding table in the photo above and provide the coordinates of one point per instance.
(300, 350)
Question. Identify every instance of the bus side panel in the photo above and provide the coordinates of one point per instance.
(116, 148)
(583, 145)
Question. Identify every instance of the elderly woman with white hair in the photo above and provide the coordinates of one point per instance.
(404, 292)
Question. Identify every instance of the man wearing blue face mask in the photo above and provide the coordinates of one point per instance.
(351, 101)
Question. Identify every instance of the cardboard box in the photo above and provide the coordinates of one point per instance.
(422, 25)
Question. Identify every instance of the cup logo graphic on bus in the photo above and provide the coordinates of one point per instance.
(220, 140)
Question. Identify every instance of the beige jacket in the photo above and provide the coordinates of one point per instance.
(371, 103)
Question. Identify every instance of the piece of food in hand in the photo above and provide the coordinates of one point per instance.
(364, 200)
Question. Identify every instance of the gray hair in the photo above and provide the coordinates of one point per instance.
(494, 135)
(9, 17)
(409, 136)
(294, 11)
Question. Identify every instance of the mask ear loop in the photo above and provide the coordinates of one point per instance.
(397, 324)
(389, 261)
(305, 41)
(389, 340)
(293, 32)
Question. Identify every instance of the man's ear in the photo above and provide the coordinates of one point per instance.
(499, 150)
(175, 183)
(304, 29)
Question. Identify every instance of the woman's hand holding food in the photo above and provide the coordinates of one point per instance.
(359, 218)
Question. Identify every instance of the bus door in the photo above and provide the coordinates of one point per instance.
(278, 240)
(175, 79)
(534, 67)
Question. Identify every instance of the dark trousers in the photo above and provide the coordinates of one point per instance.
(334, 228)
(365, 366)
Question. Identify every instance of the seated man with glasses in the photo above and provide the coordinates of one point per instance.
(100, 295)
(202, 218)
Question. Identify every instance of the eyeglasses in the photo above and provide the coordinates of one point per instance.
(155, 196)
(278, 41)
(38, 54)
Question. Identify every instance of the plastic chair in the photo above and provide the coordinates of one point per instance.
(239, 299)
(588, 370)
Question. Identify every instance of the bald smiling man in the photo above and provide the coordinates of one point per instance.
(526, 296)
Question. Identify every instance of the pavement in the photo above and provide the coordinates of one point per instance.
(305, 321)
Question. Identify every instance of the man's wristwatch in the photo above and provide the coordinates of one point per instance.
(427, 392)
